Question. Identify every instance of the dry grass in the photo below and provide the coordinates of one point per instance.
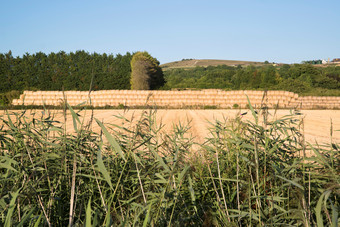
(205, 63)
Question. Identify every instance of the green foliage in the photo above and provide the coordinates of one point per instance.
(313, 62)
(7, 97)
(209, 107)
(121, 106)
(146, 73)
(75, 71)
(298, 78)
(3, 100)
(247, 174)
(297, 86)
(235, 106)
(72, 71)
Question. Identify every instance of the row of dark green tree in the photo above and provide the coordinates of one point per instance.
(69, 71)
(304, 79)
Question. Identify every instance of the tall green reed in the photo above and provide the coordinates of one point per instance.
(248, 173)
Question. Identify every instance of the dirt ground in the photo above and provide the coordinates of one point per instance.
(317, 123)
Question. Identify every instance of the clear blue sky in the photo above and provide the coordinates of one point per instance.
(278, 31)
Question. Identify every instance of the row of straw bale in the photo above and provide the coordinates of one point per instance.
(77, 97)
(69, 97)
(136, 102)
(135, 92)
(175, 98)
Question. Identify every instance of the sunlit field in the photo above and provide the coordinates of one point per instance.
(315, 124)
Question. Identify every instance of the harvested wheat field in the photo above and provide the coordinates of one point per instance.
(316, 123)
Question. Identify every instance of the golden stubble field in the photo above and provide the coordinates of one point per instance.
(317, 123)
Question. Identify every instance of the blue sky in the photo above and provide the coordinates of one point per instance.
(257, 30)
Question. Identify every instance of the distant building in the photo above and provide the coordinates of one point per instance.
(324, 62)
(336, 60)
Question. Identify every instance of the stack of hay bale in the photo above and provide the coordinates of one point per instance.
(173, 99)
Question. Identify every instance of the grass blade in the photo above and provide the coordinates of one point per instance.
(192, 193)
(292, 182)
(7, 166)
(181, 176)
(37, 223)
(8, 220)
(318, 214)
(102, 169)
(88, 214)
(252, 111)
(75, 117)
(114, 144)
(26, 217)
(147, 217)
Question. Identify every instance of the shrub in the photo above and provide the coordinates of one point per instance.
(121, 106)
(6, 98)
(146, 73)
(212, 107)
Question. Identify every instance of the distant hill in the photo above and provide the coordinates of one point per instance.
(191, 63)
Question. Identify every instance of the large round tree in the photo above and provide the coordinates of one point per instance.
(145, 72)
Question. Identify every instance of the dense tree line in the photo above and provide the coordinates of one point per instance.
(74, 71)
(299, 78)
(69, 71)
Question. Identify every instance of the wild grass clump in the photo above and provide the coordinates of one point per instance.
(7, 97)
(253, 173)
